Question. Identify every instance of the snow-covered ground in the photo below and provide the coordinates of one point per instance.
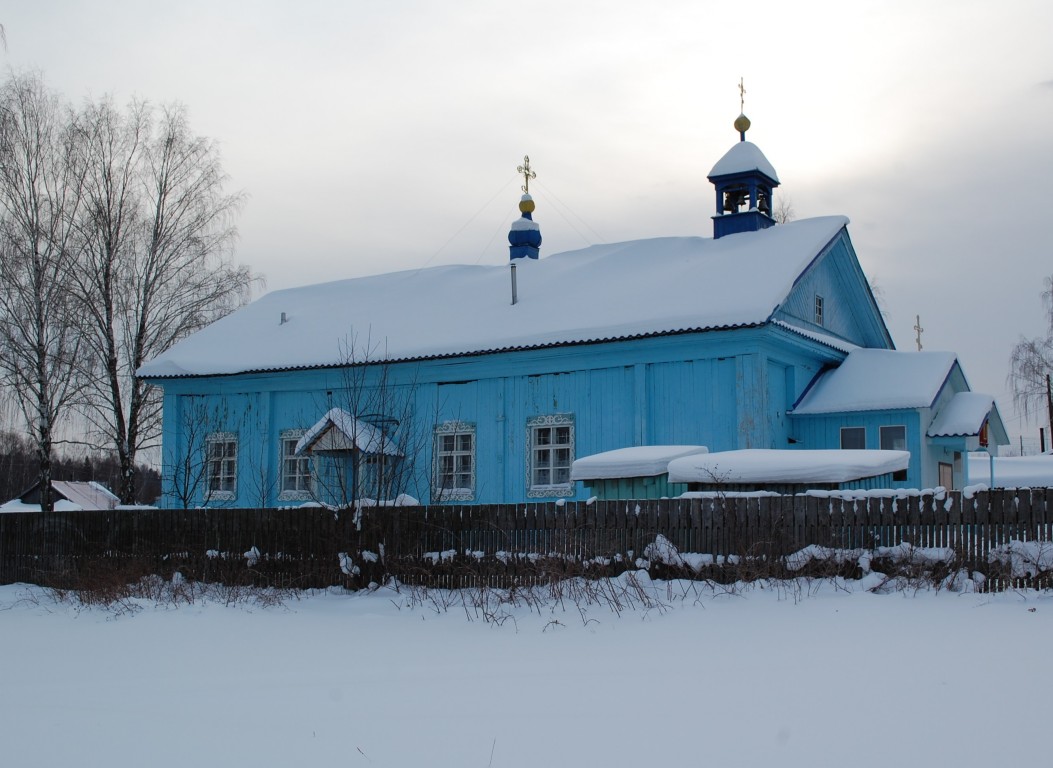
(791, 676)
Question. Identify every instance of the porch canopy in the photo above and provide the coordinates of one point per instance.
(340, 432)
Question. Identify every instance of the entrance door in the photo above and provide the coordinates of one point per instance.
(947, 475)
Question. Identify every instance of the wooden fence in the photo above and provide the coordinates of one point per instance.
(525, 543)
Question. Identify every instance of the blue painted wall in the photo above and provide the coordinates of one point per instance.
(724, 389)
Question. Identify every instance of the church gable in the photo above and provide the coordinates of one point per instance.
(832, 296)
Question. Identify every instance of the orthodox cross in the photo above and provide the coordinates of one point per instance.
(527, 173)
(742, 96)
(918, 330)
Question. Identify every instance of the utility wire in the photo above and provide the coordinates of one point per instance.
(596, 235)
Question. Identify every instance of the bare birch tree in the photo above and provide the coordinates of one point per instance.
(1030, 366)
(156, 236)
(41, 177)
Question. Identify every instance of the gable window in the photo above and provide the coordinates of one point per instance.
(221, 466)
(454, 474)
(894, 439)
(853, 438)
(297, 483)
(818, 309)
(551, 453)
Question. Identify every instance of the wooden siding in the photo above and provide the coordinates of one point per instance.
(849, 309)
(723, 389)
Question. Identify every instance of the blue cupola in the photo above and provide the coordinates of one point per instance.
(524, 238)
(744, 181)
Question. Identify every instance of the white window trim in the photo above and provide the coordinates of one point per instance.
(820, 311)
(453, 494)
(555, 489)
(293, 495)
(210, 493)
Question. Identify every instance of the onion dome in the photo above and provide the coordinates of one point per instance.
(524, 237)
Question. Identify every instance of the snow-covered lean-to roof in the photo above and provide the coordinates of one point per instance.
(604, 292)
(636, 461)
(879, 379)
(763, 465)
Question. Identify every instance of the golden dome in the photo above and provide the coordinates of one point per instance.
(526, 205)
(742, 123)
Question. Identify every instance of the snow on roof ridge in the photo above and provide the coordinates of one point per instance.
(454, 310)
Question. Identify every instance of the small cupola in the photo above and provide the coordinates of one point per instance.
(524, 237)
(744, 181)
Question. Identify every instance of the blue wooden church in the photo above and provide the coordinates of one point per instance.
(483, 384)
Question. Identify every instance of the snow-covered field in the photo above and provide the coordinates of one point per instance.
(797, 675)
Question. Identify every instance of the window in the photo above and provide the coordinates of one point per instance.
(818, 309)
(297, 483)
(455, 461)
(221, 466)
(894, 439)
(551, 453)
(378, 476)
(853, 438)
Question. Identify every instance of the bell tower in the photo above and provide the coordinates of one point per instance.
(744, 181)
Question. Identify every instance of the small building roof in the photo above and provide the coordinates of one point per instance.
(878, 379)
(743, 157)
(69, 496)
(593, 294)
(765, 465)
(637, 461)
(964, 415)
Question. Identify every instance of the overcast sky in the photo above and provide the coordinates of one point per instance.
(375, 136)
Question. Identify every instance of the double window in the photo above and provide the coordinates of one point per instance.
(454, 474)
(221, 466)
(297, 482)
(550, 455)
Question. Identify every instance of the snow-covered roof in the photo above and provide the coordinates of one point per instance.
(604, 292)
(743, 157)
(1012, 471)
(339, 430)
(638, 461)
(763, 465)
(70, 496)
(964, 414)
(879, 379)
